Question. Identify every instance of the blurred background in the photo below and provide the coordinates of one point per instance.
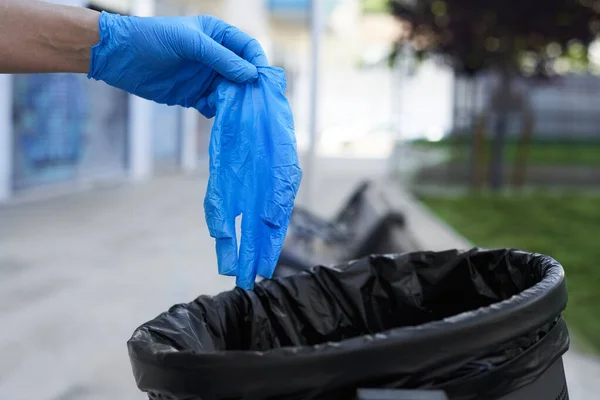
(487, 112)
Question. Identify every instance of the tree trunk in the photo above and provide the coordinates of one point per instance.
(475, 131)
(479, 152)
(523, 151)
(455, 104)
(502, 111)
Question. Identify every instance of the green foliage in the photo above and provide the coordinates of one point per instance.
(528, 36)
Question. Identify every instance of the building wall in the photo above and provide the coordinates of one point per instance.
(7, 156)
(563, 108)
(67, 129)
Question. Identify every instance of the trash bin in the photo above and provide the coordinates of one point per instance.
(366, 224)
(481, 324)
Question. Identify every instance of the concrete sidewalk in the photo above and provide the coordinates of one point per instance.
(79, 273)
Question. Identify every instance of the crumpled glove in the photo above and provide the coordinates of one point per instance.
(254, 172)
(173, 60)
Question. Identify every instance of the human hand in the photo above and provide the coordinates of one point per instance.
(173, 60)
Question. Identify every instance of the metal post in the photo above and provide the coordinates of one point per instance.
(6, 133)
(189, 140)
(399, 73)
(140, 117)
(189, 119)
(316, 25)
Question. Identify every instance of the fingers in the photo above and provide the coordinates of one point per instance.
(227, 258)
(260, 248)
(236, 40)
(221, 228)
(271, 250)
(245, 46)
(254, 53)
(221, 225)
(250, 246)
(220, 211)
(224, 61)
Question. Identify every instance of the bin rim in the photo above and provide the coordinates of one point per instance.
(471, 331)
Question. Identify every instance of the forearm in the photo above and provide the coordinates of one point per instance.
(37, 37)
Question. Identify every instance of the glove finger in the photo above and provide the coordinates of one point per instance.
(245, 46)
(225, 61)
(271, 250)
(227, 257)
(219, 209)
(220, 219)
(220, 228)
(249, 252)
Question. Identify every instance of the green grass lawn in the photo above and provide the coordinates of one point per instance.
(542, 153)
(375, 6)
(566, 227)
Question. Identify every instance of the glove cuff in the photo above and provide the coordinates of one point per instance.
(100, 52)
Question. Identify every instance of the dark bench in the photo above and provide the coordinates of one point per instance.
(366, 224)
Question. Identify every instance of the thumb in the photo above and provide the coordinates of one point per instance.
(224, 61)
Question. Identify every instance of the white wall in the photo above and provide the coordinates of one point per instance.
(5, 137)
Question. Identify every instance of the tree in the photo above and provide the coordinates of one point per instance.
(510, 38)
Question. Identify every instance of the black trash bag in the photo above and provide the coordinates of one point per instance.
(368, 223)
(476, 324)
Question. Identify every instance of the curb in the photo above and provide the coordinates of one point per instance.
(427, 231)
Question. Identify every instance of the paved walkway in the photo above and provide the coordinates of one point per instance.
(79, 273)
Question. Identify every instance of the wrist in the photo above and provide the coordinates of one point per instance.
(90, 36)
(74, 43)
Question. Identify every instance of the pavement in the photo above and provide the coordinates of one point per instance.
(79, 272)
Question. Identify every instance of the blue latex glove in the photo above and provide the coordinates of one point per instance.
(254, 171)
(173, 60)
